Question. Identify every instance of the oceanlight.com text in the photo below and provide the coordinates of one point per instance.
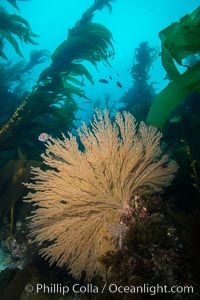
(151, 289)
(112, 288)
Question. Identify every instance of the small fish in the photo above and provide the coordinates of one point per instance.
(175, 119)
(117, 74)
(119, 84)
(41, 83)
(102, 80)
(110, 77)
(50, 92)
(45, 81)
(43, 137)
(48, 80)
(59, 95)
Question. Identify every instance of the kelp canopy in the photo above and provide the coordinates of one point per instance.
(12, 25)
(179, 41)
(87, 41)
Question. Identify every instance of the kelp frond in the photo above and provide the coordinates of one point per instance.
(89, 13)
(179, 41)
(172, 95)
(64, 78)
(12, 25)
(99, 4)
(13, 3)
(143, 61)
(91, 42)
(10, 72)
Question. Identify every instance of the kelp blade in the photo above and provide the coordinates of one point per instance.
(171, 96)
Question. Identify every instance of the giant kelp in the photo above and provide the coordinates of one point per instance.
(13, 174)
(13, 86)
(87, 41)
(12, 26)
(172, 95)
(138, 98)
(89, 13)
(143, 61)
(36, 57)
(51, 105)
(179, 40)
(13, 3)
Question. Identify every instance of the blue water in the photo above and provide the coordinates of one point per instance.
(131, 22)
